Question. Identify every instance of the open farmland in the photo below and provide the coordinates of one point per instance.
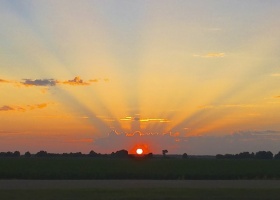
(148, 169)
(139, 189)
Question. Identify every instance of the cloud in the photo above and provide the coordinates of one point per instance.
(6, 108)
(39, 82)
(12, 108)
(161, 120)
(277, 97)
(76, 81)
(210, 55)
(23, 108)
(4, 81)
(93, 80)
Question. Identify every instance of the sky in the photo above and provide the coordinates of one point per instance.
(199, 77)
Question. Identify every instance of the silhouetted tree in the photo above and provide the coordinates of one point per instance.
(92, 154)
(264, 155)
(229, 156)
(245, 155)
(185, 156)
(120, 154)
(41, 154)
(220, 156)
(164, 152)
(27, 154)
(16, 154)
(277, 156)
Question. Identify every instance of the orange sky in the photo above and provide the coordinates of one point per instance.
(187, 76)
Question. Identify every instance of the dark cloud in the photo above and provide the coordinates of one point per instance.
(39, 82)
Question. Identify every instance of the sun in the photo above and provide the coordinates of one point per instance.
(139, 151)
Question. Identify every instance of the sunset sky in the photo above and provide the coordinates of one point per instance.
(197, 76)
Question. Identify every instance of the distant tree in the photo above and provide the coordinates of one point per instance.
(220, 156)
(92, 154)
(277, 156)
(77, 154)
(164, 152)
(149, 155)
(27, 154)
(229, 156)
(120, 154)
(264, 155)
(245, 155)
(16, 154)
(185, 156)
(41, 154)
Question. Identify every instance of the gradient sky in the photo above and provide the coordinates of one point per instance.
(197, 76)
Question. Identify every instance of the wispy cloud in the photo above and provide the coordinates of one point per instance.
(4, 81)
(23, 108)
(7, 108)
(277, 97)
(211, 55)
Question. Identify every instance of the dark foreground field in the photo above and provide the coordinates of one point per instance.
(139, 189)
(107, 179)
(146, 169)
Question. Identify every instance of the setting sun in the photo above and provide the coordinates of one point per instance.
(139, 151)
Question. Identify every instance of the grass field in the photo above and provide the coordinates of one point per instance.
(157, 169)
(139, 194)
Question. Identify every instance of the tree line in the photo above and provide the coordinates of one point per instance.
(247, 155)
(118, 154)
(124, 154)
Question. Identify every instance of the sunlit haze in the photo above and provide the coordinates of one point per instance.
(201, 77)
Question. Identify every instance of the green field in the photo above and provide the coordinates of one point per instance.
(139, 194)
(107, 168)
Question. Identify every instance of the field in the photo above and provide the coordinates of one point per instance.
(139, 189)
(139, 194)
(148, 169)
(107, 178)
